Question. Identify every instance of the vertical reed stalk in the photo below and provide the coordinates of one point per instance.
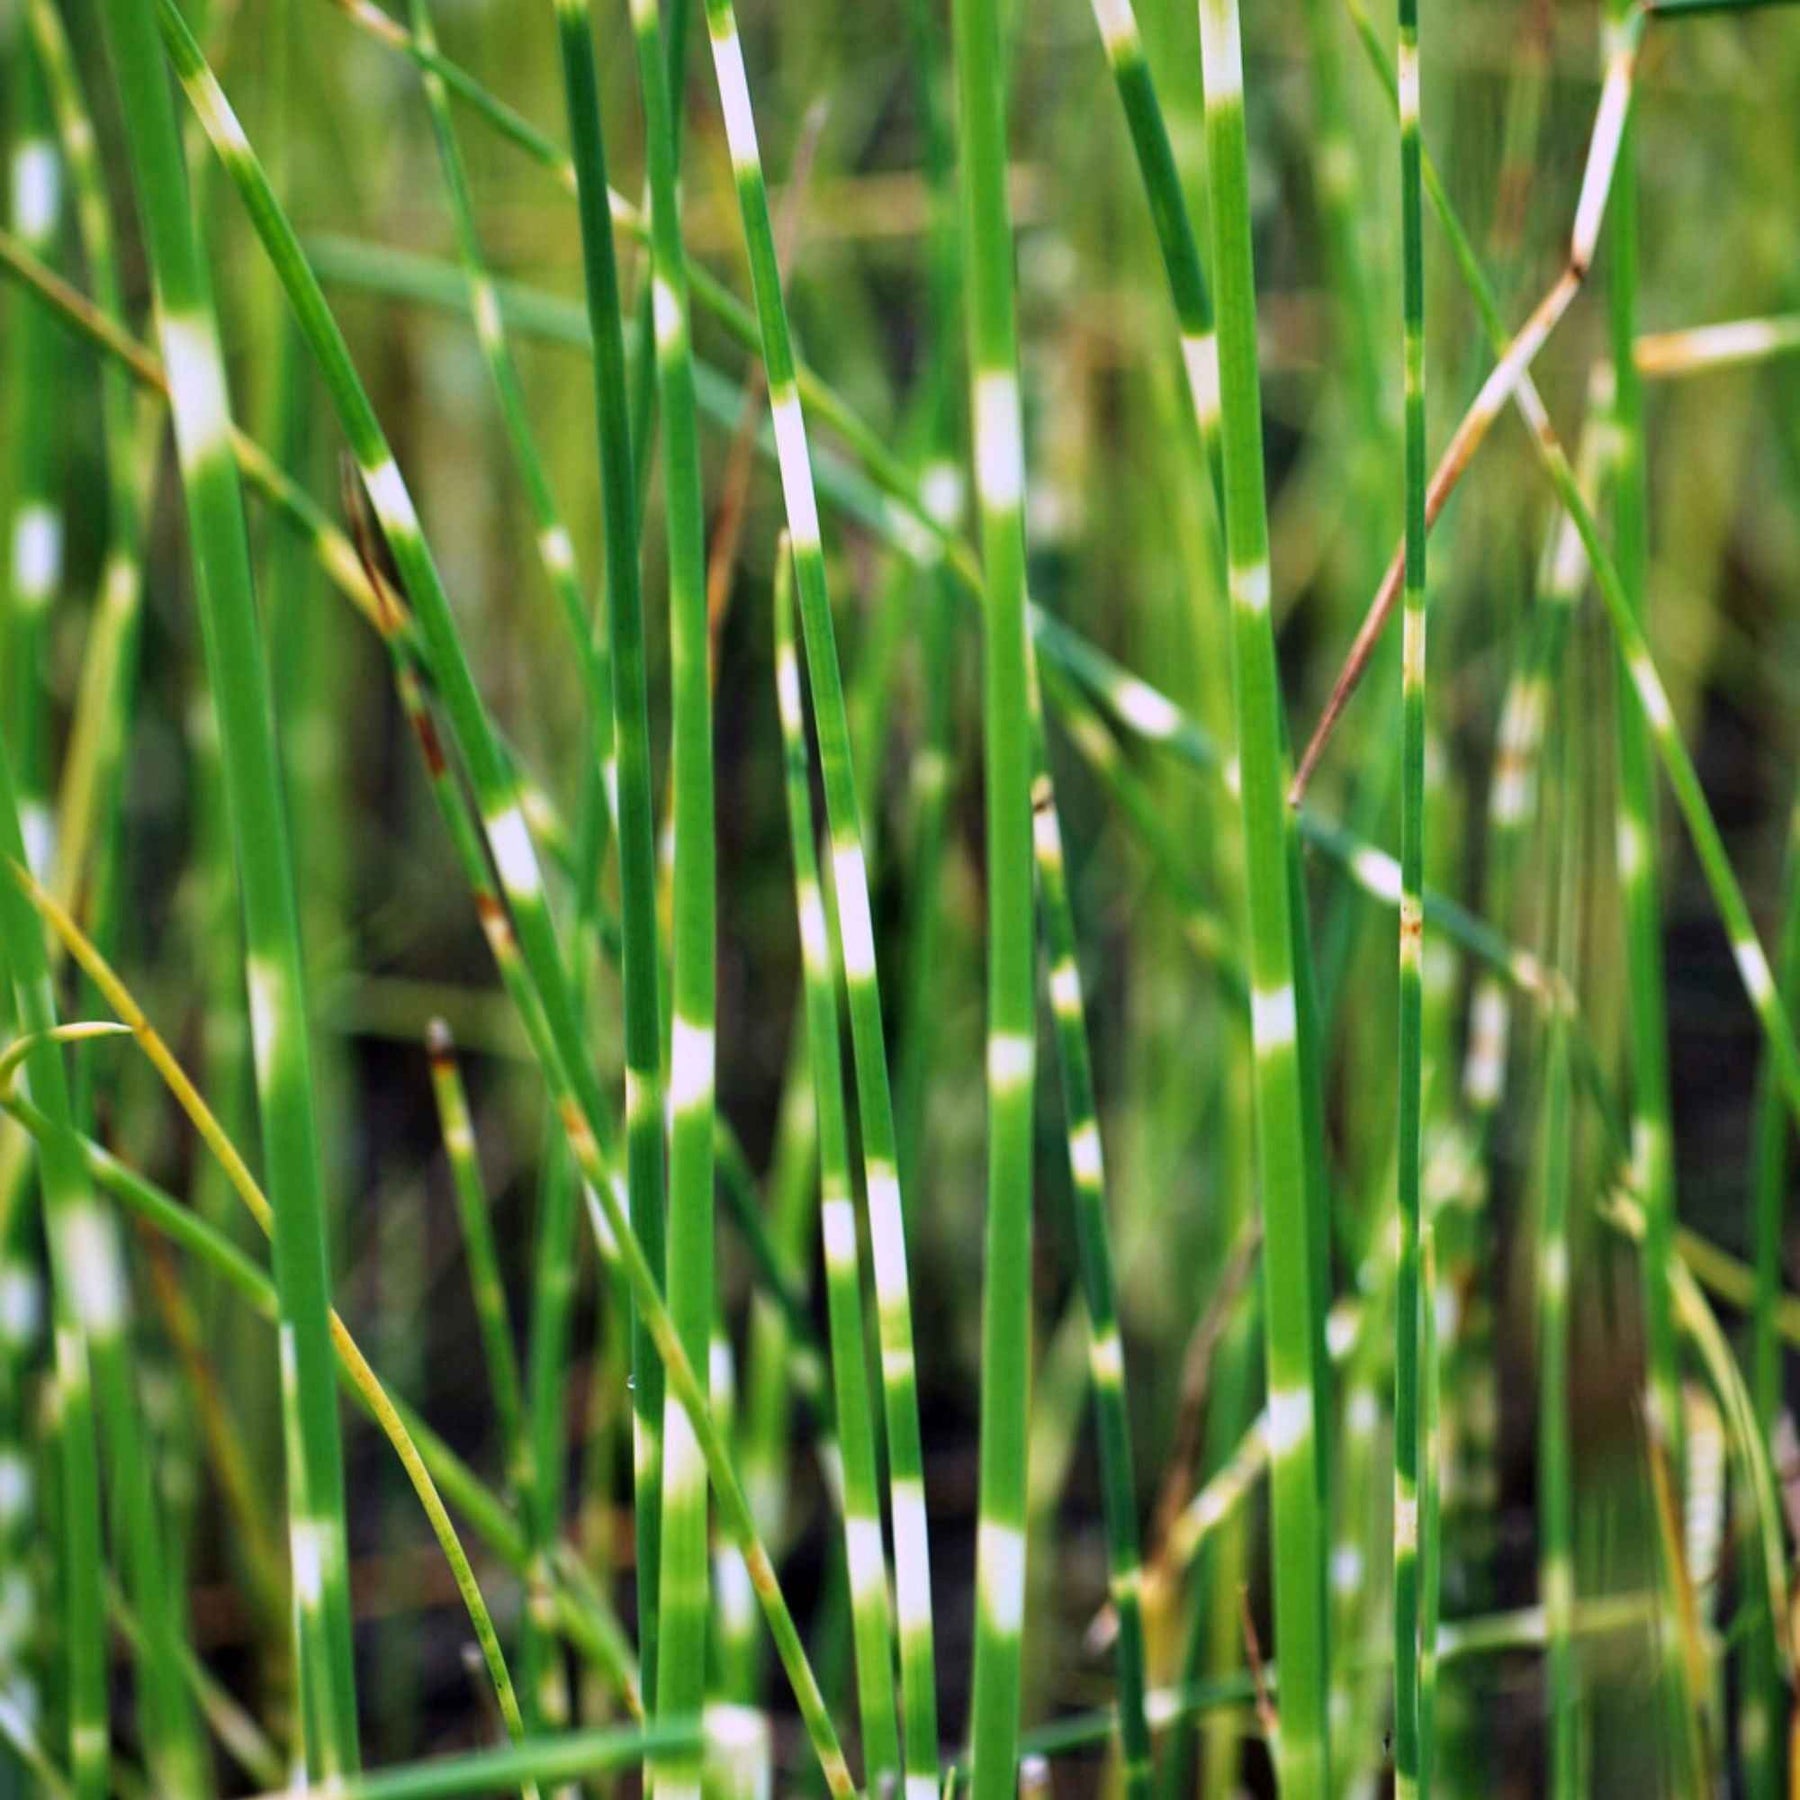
(1292, 1307)
(1408, 1317)
(682, 1584)
(1106, 1350)
(864, 1551)
(981, 67)
(850, 891)
(637, 848)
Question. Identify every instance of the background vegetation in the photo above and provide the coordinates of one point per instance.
(690, 1101)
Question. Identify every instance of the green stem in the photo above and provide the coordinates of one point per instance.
(850, 889)
(1408, 1319)
(478, 1239)
(274, 976)
(863, 1547)
(981, 78)
(682, 1585)
(645, 1171)
(1106, 1351)
(1288, 1262)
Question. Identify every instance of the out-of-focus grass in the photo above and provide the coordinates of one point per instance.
(471, 907)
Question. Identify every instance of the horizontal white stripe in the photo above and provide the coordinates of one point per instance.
(514, 855)
(1000, 1575)
(999, 439)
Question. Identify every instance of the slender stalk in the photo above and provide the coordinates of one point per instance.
(1149, 132)
(682, 1585)
(1510, 379)
(863, 1547)
(850, 889)
(1288, 1262)
(555, 548)
(1106, 1352)
(91, 790)
(981, 65)
(645, 1171)
(1408, 1319)
(478, 1239)
(34, 569)
(274, 976)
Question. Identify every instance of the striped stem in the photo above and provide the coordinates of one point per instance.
(478, 1239)
(91, 791)
(1106, 1352)
(274, 976)
(850, 890)
(1292, 1307)
(863, 1547)
(34, 569)
(981, 65)
(1409, 1600)
(32, 572)
(645, 1172)
(1149, 133)
(682, 1584)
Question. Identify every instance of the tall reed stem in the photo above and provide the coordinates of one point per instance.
(981, 76)
(865, 1553)
(682, 1584)
(637, 827)
(1292, 1307)
(1408, 1319)
(850, 891)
